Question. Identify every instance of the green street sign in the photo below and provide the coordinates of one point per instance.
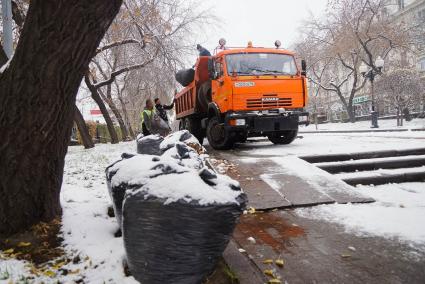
(359, 100)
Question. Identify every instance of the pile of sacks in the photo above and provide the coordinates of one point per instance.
(176, 215)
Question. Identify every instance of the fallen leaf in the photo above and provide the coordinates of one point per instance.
(8, 251)
(274, 281)
(242, 250)
(251, 210)
(24, 244)
(49, 273)
(352, 248)
(268, 261)
(269, 272)
(280, 262)
(345, 255)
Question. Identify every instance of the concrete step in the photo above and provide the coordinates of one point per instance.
(362, 155)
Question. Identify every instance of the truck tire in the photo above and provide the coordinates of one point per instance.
(193, 125)
(283, 137)
(204, 96)
(217, 136)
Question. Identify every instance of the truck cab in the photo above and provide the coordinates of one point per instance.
(244, 92)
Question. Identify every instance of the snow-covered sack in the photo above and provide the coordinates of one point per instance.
(149, 144)
(177, 216)
(157, 145)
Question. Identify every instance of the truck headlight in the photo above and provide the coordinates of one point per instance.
(237, 122)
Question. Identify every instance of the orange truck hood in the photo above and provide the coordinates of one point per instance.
(248, 92)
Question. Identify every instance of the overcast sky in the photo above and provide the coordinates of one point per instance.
(261, 21)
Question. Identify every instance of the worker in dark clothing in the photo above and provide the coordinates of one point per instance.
(146, 117)
(202, 50)
(161, 109)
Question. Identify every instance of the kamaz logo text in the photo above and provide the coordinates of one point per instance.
(270, 99)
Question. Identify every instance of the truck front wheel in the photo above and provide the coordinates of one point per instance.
(217, 135)
(283, 137)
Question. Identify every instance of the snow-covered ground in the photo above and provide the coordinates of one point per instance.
(365, 125)
(87, 230)
(398, 213)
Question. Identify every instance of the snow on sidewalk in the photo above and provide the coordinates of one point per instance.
(398, 213)
(365, 125)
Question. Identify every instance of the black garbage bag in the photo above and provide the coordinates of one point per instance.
(180, 136)
(176, 226)
(187, 156)
(150, 145)
(185, 76)
(119, 176)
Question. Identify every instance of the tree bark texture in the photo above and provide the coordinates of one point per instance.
(82, 128)
(96, 97)
(37, 98)
(119, 118)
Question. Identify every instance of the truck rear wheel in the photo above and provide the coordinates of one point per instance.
(283, 137)
(193, 125)
(217, 135)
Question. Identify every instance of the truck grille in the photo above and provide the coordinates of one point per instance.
(269, 102)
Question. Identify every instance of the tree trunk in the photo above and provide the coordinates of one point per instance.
(37, 98)
(108, 99)
(398, 116)
(118, 116)
(126, 120)
(82, 128)
(351, 113)
(96, 97)
(3, 56)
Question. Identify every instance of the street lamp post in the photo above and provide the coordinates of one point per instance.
(370, 74)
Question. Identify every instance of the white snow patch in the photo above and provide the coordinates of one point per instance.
(380, 172)
(398, 212)
(189, 187)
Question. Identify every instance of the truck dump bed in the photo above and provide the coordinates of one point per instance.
(186, 100)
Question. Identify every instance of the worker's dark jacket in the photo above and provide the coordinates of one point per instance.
(161, 110)
(204, 52)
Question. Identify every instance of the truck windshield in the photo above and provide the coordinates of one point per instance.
(249, 64)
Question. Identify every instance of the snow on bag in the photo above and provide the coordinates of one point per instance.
(177, 216)
(149, 145)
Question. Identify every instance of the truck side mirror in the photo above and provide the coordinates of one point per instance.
(211, 69)
(303, 68)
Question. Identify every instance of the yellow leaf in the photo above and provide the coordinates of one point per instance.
(8, 251)
(345, 255)
(275, 281)
(58, 265)
(269, 272)
(24, 244)
(280, 262)
(49, 273)
(251, 210)
(74, 271)
(268, 261)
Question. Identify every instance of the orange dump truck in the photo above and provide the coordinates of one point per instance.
(244, 92)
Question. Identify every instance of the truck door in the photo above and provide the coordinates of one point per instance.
(217, 85)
